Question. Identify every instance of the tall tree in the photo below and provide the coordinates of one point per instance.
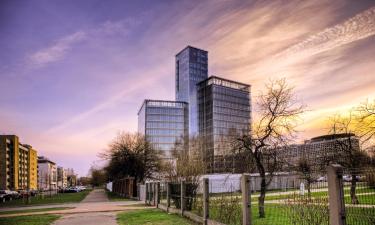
(131, 155)
(97, 176)
(188, 165)
(279, 113)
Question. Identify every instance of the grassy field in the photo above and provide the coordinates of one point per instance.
(29, 220)
(58, 198)
(35, 210)
(150, 217)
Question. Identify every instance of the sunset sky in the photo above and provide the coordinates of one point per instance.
(74, 73)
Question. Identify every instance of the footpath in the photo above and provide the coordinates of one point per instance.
(94, 209)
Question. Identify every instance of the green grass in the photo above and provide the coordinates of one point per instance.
(29, 220)
(150, 217)
(34, 210)
(115, 197)
(58, 198)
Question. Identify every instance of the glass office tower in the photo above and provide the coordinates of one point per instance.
(163, 123)
(224, 113)
(191, 68)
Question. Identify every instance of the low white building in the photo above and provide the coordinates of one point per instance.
(47, 174)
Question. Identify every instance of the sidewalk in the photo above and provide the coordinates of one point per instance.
(95, 202)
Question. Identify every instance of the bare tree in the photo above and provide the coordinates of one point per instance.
(130, 154)
(366, 120)
(348, 149)
(279, 114)
(306, 169)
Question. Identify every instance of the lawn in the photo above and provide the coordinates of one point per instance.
(115, 197)
(40, 200)
(34, 210)
(29, 220)
(281, 215)
(150, 217)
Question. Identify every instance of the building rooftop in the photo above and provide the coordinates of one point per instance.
(330, 137)
(42, 159)
(189, 46)
(162, 103)
(225, 82)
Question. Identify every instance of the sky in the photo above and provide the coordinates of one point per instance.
(74, 73)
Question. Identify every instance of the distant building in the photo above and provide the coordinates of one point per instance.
(71, 177)
(18, 164)
(191, 68)
(62, 181)
(47, 174)
(224, 111)
(320, 151)
(163, 123)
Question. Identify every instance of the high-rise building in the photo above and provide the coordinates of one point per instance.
(18, 164)
(163, 123)
(224, 111)
(213, 108)
(47, 174)
(191, 68)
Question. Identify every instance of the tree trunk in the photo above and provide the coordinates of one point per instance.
(262, 196)
(309, 189)
(352, 190)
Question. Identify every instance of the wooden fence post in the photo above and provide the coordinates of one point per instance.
(205, 201)
(182, 194)
(246, 204)
(168, 195)
(146, 192)
(157, 188)
(336, 195)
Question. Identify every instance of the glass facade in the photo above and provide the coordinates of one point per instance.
(163, 123)
(191, 68)
(224, 111)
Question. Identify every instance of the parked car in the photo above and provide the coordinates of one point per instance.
(14, 194)
(4, 195)
(348, 178)
(322, 179)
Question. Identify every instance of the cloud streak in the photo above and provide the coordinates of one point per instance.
(356, 28)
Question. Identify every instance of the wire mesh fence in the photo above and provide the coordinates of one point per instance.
(163, 193)
(290, 199)
(175, 194)
(225, 205)
(193, 197)
(359, 196)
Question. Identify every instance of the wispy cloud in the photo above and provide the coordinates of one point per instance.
(58, 50)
